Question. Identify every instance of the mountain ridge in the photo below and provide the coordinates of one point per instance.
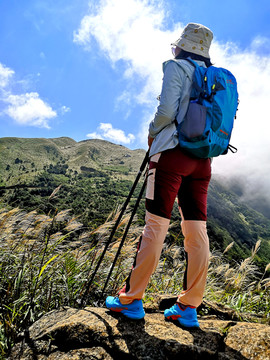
(94, 177)
(65, 150)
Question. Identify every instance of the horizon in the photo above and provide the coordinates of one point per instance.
(234, 185)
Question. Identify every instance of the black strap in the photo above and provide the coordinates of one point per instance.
(233, 149)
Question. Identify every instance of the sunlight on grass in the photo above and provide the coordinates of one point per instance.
(46, 261)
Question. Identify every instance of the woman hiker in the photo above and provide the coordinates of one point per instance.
(173, 173)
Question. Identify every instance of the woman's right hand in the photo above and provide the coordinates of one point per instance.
(150, 140)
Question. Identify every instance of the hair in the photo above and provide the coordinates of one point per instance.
(185, 54)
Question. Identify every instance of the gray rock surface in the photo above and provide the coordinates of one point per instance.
(97, 333)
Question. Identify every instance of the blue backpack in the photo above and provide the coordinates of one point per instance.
(206, 129)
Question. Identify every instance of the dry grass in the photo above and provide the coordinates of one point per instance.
(46, 262)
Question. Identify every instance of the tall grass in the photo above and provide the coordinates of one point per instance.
(239, 286)
(46, 262)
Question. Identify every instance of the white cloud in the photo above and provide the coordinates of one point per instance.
(261, 44)
(64, 109)
(125, 103)
(106, 131)
(95, 135)
(29, 109)
(252, 125)
(5, 75)
(133, 31)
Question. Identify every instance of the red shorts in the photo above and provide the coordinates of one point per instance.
(172, 174)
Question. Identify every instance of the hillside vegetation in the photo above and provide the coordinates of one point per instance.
(59, 201)
(93, 178)
(46, 263)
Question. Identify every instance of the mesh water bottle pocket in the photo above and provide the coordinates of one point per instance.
(194, 123)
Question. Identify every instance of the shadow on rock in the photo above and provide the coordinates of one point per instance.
(97, 333)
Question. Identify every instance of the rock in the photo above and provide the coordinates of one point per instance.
(96, 333)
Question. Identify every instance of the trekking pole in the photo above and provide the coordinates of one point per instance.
(143, 165)
(124, 237)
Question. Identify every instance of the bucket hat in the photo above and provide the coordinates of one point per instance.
(195, 38)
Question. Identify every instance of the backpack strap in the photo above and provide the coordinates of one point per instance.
(233, 149)
(192, 62)
(200, 91)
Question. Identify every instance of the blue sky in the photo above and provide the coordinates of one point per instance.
(87, 69)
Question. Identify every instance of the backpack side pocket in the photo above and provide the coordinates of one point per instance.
(194, 122)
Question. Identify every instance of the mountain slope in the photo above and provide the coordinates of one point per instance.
(93, 177)
(22, 159)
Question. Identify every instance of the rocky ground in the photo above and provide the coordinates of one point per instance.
(97, 333)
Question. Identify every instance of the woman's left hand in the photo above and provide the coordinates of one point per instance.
(150, 140)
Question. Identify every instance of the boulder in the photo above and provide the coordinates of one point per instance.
(97, 333)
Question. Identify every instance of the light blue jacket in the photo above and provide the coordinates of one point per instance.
(174, 100)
